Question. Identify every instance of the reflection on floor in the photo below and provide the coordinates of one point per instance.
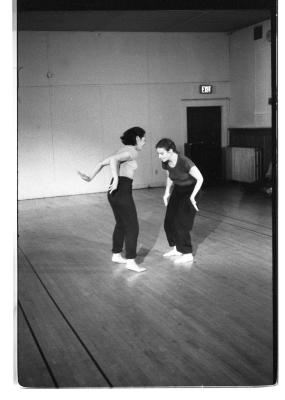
(86, 322)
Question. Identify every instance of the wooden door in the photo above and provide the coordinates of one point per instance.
(204, 141)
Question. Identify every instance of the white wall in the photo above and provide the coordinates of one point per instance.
(250, 74)
(78, 91)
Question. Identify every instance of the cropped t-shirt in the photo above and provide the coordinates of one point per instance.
(127, 168)
(180, 173)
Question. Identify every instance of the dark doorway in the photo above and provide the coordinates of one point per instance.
(204, 141)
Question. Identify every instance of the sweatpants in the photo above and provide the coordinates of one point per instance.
(125, 213)
(179, 218)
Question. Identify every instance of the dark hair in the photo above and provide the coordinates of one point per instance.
(129, 136)
(166, 144)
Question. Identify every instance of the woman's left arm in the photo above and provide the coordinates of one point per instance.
(194, 171)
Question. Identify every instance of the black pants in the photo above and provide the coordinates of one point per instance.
(124, 209)
(179, 218)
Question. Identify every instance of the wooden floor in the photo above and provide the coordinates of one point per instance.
(86, 322)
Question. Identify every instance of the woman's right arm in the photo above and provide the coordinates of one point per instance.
(113, 161)
(166, 195)
(97, 169)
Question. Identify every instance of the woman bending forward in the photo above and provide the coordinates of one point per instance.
(186, 180)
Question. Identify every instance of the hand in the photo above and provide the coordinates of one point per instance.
(193, 201)
(84, 177)
(165, 199)
(113, 185)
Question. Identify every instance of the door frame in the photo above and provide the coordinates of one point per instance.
(223, 103)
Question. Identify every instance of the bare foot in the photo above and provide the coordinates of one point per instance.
(117, 258)
(133, 266)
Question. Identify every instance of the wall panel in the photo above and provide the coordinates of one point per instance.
(181, 57)
(36, 174)
(32, 60)
(78, 137)
(80, 58)
(250, 78)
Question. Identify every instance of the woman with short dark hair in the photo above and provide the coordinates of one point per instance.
(186, 180)
(123, 165)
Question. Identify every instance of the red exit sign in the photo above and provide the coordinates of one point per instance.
(206, 89)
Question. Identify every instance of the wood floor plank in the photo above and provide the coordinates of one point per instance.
(209, 323)
(32, 370)
(69, 362)
(238, 204)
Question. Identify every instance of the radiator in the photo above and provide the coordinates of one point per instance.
(243, 164)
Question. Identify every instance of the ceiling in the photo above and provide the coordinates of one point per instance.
(141, 20)
(142, 16)
(32, 5)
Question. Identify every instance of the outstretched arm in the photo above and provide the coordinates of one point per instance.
(194, 171)
(113, 161)
(87, 178)
(97, 169)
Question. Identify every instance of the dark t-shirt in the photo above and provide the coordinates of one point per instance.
(180, 173)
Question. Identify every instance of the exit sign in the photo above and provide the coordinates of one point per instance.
(206, 89)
